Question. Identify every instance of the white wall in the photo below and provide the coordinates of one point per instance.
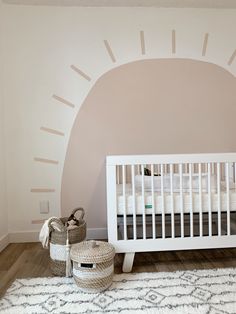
(3, 203)
(40, 44)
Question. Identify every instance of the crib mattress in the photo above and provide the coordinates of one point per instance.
(177, 200)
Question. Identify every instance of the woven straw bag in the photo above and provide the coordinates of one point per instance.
(93, 265)
(58, 241)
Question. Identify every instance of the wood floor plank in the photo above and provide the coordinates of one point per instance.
(2, 273)
(11, 274)
(27, 260)
(32, 262)
(10, 254)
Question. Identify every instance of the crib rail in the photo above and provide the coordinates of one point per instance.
(177, 197)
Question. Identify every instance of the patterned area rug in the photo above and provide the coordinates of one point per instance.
(199, 291)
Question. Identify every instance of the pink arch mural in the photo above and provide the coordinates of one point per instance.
(148, 106)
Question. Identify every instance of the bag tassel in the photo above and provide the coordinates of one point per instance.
(68, 260)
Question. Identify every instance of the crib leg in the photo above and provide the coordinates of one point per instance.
(128, 262)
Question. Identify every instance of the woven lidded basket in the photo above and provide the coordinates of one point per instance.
(58, 241)
(93, 265)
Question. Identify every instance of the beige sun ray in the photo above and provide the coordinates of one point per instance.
(109, 51)
(47, 161)
(42, 190)
(142, 43)
(173, 41)
(205, 43)
(63, 101)
(52, 131)
(231, 59)
(81, 73)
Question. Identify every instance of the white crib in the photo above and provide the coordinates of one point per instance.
(170, 202)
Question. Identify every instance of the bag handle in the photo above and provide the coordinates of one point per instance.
(81, 210)
(58, 221)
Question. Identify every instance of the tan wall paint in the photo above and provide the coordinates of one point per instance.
(3, 201)
(37, 124)
(150, 106)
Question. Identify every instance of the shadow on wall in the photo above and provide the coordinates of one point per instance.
(146, 107)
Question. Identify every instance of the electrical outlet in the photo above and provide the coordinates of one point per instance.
(44, 207)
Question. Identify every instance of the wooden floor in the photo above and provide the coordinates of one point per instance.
(24, 260)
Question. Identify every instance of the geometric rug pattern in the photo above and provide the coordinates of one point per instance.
(183, 292)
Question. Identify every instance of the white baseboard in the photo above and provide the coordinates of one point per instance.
(4, 241)
(33, 236)
(24, 236)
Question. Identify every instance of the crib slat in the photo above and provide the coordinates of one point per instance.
(172, 203)
(162, 204)
(227, 197)
(134, 203)
(153, 205)
(181, 200)
(209, 199)
(218, 199)
(200, 197)
(124, 200)
(235, 176)
(191, 199)
(143, 203)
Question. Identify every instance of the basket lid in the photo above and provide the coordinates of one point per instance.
(92, 252)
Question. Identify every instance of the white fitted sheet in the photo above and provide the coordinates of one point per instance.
(176, 202)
